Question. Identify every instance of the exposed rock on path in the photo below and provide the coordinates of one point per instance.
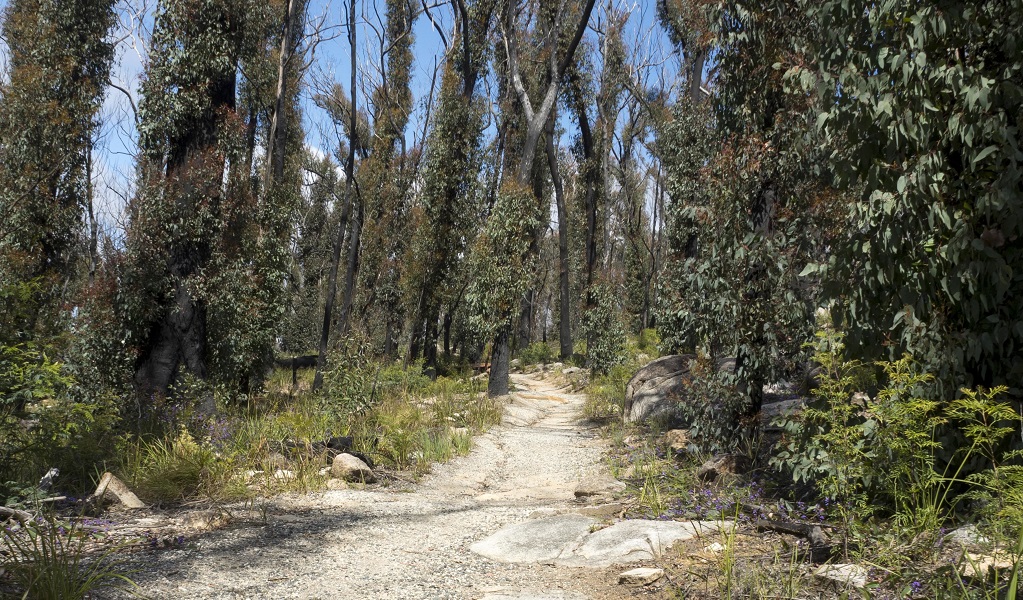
(412, 543)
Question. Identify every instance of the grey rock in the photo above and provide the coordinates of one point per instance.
(843, 576)
(632, 541)
(539, 540)
(334, 484)
(598, 485)
(566, 540)
(110, 487)
(656, 390)
(774, 411)
(640, 576)
(510, 594)
(967, 535)
(352, 468)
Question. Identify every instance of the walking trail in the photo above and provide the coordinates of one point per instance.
(412, 543)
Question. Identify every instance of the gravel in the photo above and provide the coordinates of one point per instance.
(406, 543)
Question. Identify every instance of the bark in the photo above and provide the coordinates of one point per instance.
(536, 122)
(335, 261)
(352, 270)
(93, 225)
(179, 337)
(497, 385)
(278, 120)
(564, 285)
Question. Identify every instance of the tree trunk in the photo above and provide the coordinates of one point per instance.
(565, 318)
(93, 225)
(500, 360)
(352, 270)
(536, 122)
(447, 334)
(328, 309)
(278, 120)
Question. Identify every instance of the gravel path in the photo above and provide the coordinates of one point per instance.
(414, 543)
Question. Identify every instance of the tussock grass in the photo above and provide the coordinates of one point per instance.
(398, 417)
(47, 559)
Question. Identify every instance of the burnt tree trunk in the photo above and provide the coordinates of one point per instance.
(564, 285)
(335, 261)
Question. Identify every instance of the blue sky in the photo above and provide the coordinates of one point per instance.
(117, 144)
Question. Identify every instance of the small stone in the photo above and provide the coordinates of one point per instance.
(275, 461)
(598, 485)
(571, 370)
(203, 520)
(843, 575)
(334, 484)
(981, 565)
(967, 535)
(638, 471)
(715, 547)
(251, 474)
(352, 469)
(723, 464)
(324, 472)
(641, 576)
(284, 475)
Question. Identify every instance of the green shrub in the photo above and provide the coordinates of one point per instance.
(605, 394)
(350, 381)
(648, 341)
(605, 334)
(537, 353)
(714, 409)
(47, 560)
(180, 468)
(899, 452)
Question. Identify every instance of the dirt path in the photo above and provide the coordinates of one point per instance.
(406, 544)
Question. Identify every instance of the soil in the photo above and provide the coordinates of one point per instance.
(406, 541)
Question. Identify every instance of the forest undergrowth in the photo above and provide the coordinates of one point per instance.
(274, 442)
(922, 496)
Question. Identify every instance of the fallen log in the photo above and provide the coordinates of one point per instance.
(13, 513)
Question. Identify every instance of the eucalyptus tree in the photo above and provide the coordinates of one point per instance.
(355, 141)
(449, 172)
(750, 207)
(386, 176)
(193, 232)
(922, 102)
(59, 56)
(511, 256)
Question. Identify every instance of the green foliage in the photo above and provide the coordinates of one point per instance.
(604, 331)
(715, 409)
(649, 341)
(176, 469)
(58, 61)
(922, 103)
(349, 381)
(501, 261)
(605, 394)
(886, 454)
(47, 419)
(538, 353)
(47, 559)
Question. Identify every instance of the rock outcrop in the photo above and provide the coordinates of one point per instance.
(657, 389)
